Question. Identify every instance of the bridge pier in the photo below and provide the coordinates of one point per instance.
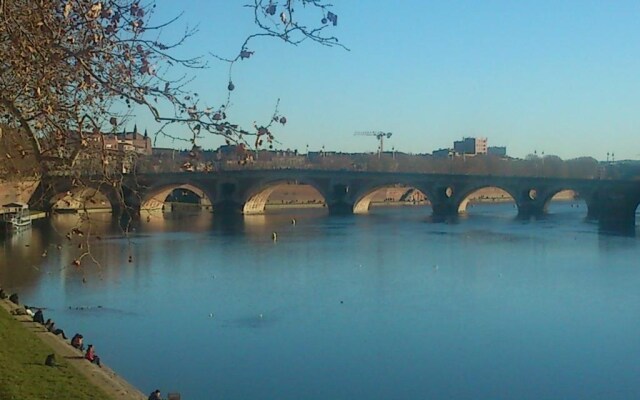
(445, 202)
(444, 210)
(340, 208)
(614, 208)
(615, 211)
(529, 209)
(227, 208)
(531, 203)
(338, 200)
(618, 219)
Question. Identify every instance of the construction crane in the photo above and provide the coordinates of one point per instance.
(378, 135)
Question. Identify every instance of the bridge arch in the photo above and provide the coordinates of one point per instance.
(569, 195)
(485, 193)
(155, 198)
(84, 199)
(389, 193)
(309, 194)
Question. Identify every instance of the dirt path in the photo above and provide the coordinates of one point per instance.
(104, 378)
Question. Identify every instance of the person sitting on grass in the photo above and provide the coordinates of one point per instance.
(38, 317)
(77, 341)
(52, 328)
(155, 395)
(91, 356)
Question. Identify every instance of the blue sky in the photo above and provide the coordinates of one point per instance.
(556, 77)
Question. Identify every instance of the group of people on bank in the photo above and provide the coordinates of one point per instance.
(77, 341)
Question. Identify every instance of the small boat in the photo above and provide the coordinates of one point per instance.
(16, 216)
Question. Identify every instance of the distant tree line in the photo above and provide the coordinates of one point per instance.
(548, 166)
(17, 161)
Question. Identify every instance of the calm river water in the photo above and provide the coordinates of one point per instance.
(381, 306)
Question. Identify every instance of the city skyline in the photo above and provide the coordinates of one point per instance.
(534, 77)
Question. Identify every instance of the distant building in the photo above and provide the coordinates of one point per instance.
(465, 146)
(481, 145)
(129, 142)
(498, 151)
(470, 146)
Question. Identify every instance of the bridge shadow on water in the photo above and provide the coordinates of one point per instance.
(563, 217)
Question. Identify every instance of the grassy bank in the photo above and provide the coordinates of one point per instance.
(24, 375)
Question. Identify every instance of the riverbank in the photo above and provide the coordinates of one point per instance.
(24, 345)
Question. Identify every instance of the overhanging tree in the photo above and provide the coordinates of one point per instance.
(70, 71)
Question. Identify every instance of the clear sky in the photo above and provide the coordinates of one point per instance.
(559, 77)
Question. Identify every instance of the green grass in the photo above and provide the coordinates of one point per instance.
(23, 374)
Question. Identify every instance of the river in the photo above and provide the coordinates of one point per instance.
(382, 306)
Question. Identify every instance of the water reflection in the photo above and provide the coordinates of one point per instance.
(113, 250)
(21, 259)
(386, 298)
(89, 224)
(285, 223)
(188, 221)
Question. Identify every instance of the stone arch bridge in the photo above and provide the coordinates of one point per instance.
(611, 202)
